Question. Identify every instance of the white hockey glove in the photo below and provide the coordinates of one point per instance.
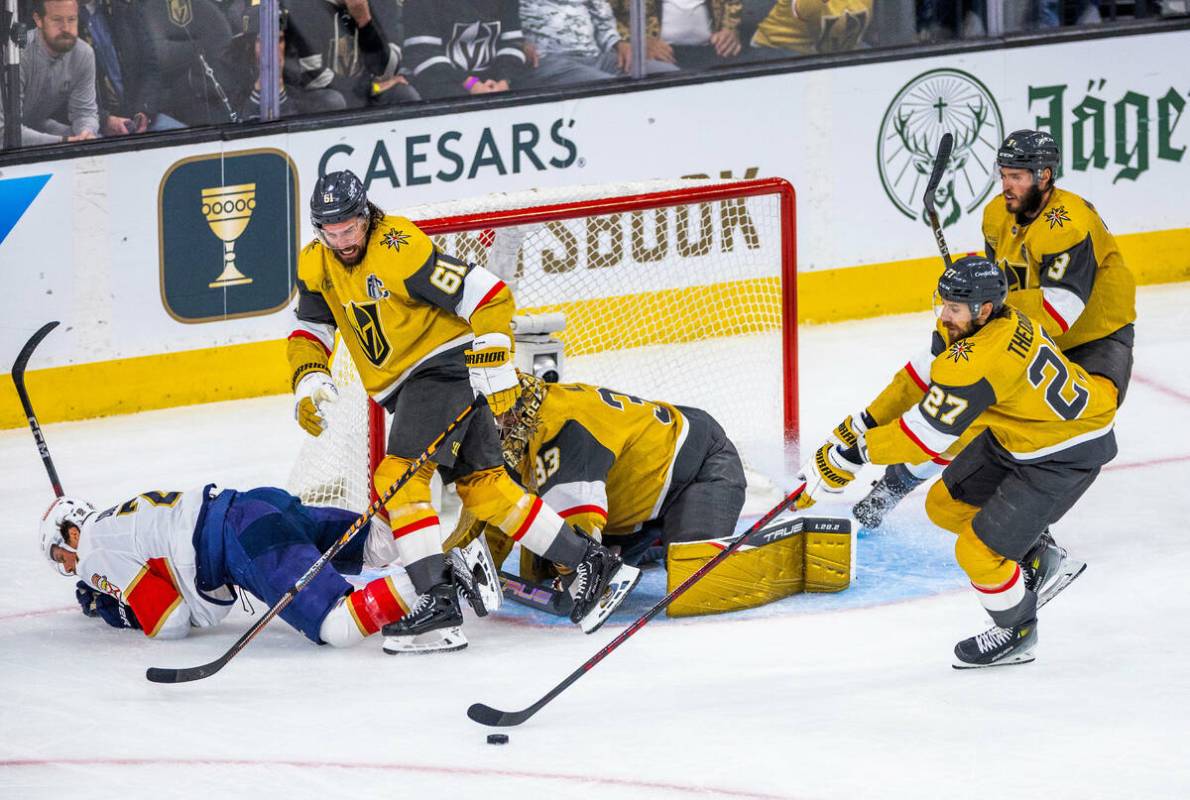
(314, 389)
(489, 364)
(829, 471)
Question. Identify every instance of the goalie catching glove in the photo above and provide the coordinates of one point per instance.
(489, 365)
(314, 389)
(830, 470)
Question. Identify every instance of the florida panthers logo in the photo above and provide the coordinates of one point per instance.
(472, 45)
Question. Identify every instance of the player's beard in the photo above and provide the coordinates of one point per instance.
(62, 43)
(354, 261)
(955, 332)
(1029, 205)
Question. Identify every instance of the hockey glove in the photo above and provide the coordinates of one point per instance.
(106, 607)
(314, 389)
(489, 364)
(851, 431)
(829, 471)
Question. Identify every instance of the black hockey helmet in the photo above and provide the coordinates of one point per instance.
(1033, 150)
(974, 280)
(337, 197)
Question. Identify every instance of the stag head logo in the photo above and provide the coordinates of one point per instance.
(934, 103)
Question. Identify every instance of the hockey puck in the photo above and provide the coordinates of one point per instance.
(497, 738)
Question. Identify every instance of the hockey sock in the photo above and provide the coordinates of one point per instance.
(493, 496)
(365, 611)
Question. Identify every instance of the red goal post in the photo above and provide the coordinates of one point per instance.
(683, 291)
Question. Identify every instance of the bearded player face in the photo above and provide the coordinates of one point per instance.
(1022, 194)
(348, 240)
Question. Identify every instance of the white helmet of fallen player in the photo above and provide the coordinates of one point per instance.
(62, 512)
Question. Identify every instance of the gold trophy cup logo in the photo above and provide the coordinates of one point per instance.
(228, 210)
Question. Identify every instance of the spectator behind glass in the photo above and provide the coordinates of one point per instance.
(458, 47)
(350, 46)
(128, 83)
(576, 41)
(189, 41)
(942, 20)
(57, 79)
(693, 34)
(809, 27)
(292, 99)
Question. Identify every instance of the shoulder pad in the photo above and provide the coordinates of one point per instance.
(970, 358)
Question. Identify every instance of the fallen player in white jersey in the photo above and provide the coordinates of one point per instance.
(166, 562)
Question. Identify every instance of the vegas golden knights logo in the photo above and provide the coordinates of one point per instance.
(181, 13)
(364, 319)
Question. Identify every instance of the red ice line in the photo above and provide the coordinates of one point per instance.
(1168, 391)
(417, 768)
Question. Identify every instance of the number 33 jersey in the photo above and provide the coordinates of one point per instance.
(404, 303)
(1008, 377)
(604, 459)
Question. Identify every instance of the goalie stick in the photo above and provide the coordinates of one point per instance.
(18, 377)
(184, 674)
(940, 161)
(492, 717)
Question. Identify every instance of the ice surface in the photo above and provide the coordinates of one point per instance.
(819, 696)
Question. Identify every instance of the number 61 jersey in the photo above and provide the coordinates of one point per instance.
(1010, 378)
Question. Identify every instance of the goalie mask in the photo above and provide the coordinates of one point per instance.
(62, 512)
(521, 421)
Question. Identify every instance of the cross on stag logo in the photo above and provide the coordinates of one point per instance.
(935, 103)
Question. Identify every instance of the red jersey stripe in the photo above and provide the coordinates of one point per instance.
(529, 519)
(905, 429)
(1053, 312)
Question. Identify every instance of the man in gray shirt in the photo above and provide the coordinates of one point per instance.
(57, 78)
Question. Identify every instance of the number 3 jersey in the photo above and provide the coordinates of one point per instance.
(603, 459)
(141, 552)
(1064, 268)
(1008, 377)
(404, 303)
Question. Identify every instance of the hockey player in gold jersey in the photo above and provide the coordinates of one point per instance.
(1039, 429)
(612, 463)
(659, 482)
(809, 27)
(1064, 270)
(428, 334)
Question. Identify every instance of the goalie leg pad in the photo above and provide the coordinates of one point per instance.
(796, 555)
(469, 527)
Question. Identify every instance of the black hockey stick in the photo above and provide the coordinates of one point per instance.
(486, 715)
(184, 674)
(940, 161)
(18, 377)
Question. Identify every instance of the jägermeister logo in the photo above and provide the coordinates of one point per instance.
(937, 102)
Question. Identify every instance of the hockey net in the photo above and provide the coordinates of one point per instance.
(676, 291)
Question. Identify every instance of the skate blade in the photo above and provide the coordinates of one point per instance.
(621, 584)
(1025, 657)
(447, 640)
(1071, 570)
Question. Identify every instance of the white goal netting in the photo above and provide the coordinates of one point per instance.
(676, 291)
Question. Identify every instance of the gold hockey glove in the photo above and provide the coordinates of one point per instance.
(829, 471)
(489, 365)
(312, 391)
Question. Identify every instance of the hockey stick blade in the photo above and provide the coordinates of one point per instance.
(495, 718)
(940, 160)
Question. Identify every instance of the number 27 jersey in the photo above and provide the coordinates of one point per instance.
(1008, 377)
